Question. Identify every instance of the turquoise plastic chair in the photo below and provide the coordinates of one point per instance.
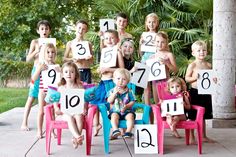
(122, 124)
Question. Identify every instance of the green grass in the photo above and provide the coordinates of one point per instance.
(12, 97)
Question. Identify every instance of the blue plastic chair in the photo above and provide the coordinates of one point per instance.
(122, 124)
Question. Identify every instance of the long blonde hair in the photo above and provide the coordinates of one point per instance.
(154, 15)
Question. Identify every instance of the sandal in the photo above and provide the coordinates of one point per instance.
(74, 143)
(128, 135)
(115, 134)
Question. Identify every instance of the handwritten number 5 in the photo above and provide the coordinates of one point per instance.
(107, 56)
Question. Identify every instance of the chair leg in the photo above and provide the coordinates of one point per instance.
(59, 136)
(187, 135)
(161, 140)
(199, 141)
(89, 129)
(106, 132)
(48, 140)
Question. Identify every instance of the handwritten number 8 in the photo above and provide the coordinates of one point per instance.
(52, 74)
(205, 79)
(80, 46)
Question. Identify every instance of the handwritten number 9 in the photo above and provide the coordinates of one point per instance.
(52, 74)
(206, 79)
(107, 56)
(155, 72)
(81, 49)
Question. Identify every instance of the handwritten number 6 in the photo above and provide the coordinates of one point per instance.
(52, 74)
(155, 72)
(80, 46)
(205, 76)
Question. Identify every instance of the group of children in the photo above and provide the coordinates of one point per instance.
(113, 87)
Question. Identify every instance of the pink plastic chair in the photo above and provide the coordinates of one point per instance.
(60, 124)
(187, 125)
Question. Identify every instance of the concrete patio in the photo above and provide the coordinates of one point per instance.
(17, 143)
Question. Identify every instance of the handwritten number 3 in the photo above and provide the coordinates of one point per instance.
(52, 74)
(205, 79)
(81, 49)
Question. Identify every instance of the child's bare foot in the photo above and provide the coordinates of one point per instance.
(97, 129)
(80, 140)
(208, 140)
(74, 143)
(24, 128)
(39, 135)
(192, 141)
(176, 134)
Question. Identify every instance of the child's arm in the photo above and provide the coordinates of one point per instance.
(128, 106)
(33, 51)
(171, 64)
(112, 96)
(189, 74)
(187, 105)
(120, 59)
(38, 70)
(66, 57)
(85, 108)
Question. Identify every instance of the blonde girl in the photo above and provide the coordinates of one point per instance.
(71, 80)
(177, 87)
(49, 59)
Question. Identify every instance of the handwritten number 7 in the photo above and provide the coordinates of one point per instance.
(141, 69)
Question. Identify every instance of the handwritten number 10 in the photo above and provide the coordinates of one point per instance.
(69, 102)
(52, 74)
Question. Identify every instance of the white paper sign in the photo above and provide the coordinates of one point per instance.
(172, 107)
(106, 24)
(157, 70)
(80, 50)
(72, 101)
(145, 139)
(108, 57)
(205, 83)
(42, 42)
(50, 76)
(149, 42)
(140, 76)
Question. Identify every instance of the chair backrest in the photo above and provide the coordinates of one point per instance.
(162, 91)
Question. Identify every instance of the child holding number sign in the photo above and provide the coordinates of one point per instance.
(121, 100)
(70, 80)
(43, 29)
(164, 56)
(49, 57)
(97, 95)
(199, 51)
(177, 87)
(79, 46)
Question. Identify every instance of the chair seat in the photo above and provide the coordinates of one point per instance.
(183, 125)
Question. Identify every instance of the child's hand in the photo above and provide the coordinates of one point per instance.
(100, 34)
(215, 80)
(58, 69)
(88, 57)
(58, 112)
(43, 66)
(103, 70)
(85, 112)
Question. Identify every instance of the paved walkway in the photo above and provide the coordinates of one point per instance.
(16, 143)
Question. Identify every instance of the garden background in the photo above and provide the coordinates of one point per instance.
(184, 20)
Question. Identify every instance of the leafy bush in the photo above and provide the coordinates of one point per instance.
(14, 70)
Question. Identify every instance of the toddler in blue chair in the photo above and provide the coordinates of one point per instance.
(121, 100)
